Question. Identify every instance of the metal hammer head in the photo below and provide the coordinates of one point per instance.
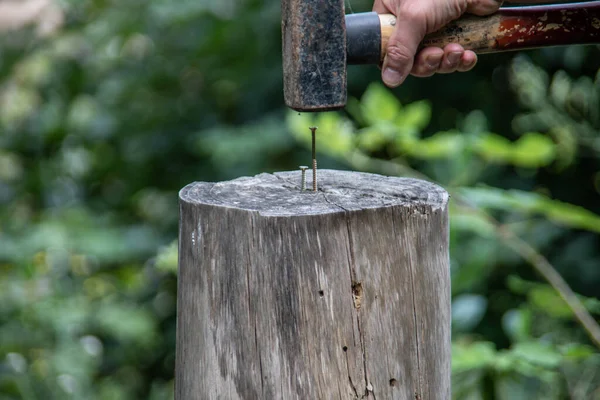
(314, 54)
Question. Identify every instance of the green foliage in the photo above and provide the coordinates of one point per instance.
(532, 150)
(544, 298)
(103, 122)
(531, 204)
(100, 125)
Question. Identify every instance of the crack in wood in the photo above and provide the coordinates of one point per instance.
(354, 285)
(414, 309)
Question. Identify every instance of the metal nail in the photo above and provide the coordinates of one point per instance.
(303, 168)
(313, 131)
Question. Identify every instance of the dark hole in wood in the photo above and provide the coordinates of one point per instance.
(345, 348)
(357, 292)
(393, 382)
(321, 293)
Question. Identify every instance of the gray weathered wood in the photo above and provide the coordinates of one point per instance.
(342, 294)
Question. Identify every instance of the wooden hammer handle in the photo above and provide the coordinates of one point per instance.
(514, 28)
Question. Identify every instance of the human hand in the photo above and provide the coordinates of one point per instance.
(414, 20)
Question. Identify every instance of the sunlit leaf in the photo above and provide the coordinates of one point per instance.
(439, 146)
(334, 134)
(354, 109)
(166, 259)
(531, 150)
(371, 139)
(415, 115)
(379, 104)
(462, 219)
(536, 204)
(468, 356)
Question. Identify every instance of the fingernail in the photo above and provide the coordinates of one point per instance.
(454, 57)
(391, 77)
(433, 60)
(468, 63)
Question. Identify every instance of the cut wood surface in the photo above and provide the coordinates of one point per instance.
(339, 294)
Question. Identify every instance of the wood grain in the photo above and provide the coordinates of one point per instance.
(339, 294)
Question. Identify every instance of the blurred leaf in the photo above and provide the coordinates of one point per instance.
(334, 134)
(442, 145)
(475, 123)
(560, 88)
(469, 356)
(34, 70)
(532, 150)
(378, 105)
(532, 203)
(517, 324)
(466, 219)
(545, 298)
(529, 80)
(548, 300)
(415, 115)
(576, 351)
(372, 139)
(17, 103)
(166, 259)
(126, 323)
(467, 311)
(537, 353)
(514, 386)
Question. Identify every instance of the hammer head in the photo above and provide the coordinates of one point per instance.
(314, 54)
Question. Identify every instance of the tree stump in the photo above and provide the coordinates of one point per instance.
(289, 294)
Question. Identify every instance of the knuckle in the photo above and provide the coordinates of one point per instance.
(416, 14)
(399, 53)
(484, 7)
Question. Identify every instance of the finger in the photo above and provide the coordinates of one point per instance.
(402, 46)
(468, 61)
(427, 62)
(453, 53)
(380, 8)
(484, 7)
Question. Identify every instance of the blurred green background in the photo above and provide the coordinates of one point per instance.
(108, 108)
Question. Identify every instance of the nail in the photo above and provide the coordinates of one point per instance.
(303, 168)
(313, 130)
(454, 57)
(392, 77)
(469, 63)
(433, 60)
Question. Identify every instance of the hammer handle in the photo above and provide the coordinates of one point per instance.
(514, 28)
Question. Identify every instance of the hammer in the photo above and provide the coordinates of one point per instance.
(319, 41)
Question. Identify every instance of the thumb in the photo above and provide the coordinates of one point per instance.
(411, 27)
